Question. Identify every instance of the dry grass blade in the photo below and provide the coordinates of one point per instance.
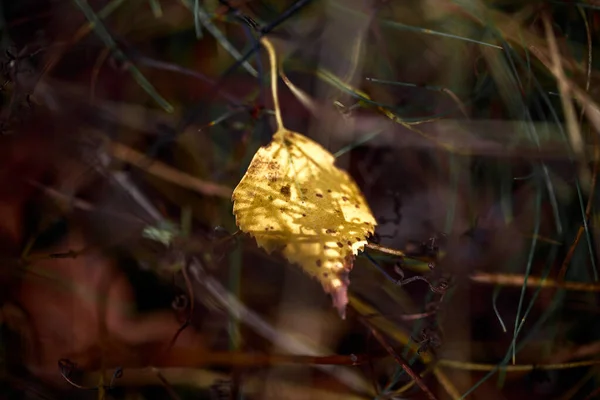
(199, 378)
(517, 280)
(170, 174)
(588, 210)
(592, 110)
(263, 328)
(403, 363)
(565, 92)
(468, 366)
(398, 334)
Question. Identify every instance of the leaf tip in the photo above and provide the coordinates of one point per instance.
(340, 300)
(338, 289)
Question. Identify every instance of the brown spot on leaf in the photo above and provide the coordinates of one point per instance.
(340, 244)
(304, 215)
(344, 198)
(319, 263)
(319, 195)
(329, 230)
(328, 190)
(285, 190)
(349, 243)
(325, 274)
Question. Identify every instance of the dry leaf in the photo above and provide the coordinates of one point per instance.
(294, 199)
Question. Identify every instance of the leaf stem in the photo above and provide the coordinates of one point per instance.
(274, 75)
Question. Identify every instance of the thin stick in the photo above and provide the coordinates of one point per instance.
(293, 345)
(168, 387)
(469, 366)
(166, 172)
(588, 210)
(188, 320)
(186, 357)
(400, 360)
(588, 69)
(274, 76)
(592, 110)
(565, 91)
(533, 281)
(199, 378)
(515, 280)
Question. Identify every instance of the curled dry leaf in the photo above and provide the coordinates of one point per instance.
(294, 199)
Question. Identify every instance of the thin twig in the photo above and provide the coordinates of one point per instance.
(399, 360)
(565, 92)
(516, 280)
(196, 378)
(588, 69)
(582, 228)
(168, 387)
(166, 172)
(191, 301)
(469, 366)
(263, 328)
(75, 202)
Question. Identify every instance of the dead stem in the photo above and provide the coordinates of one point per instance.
(588, 70)
(190, 358)
(165, 383)
(457, 100)
(516, 280)
(239, 311)
(170, 174)
(469, 366)
(588, 209)
(592, 110)
(565, 92)
(381, 339)
(195, 378)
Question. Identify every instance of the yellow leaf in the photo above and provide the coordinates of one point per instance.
(295, 200)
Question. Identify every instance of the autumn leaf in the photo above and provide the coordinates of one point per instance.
(293, 199)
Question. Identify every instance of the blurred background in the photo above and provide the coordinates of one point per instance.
(470, 126)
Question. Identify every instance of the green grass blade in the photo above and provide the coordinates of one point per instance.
(204, 18)
(197, 23)
(156, 8)
(105, 36)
